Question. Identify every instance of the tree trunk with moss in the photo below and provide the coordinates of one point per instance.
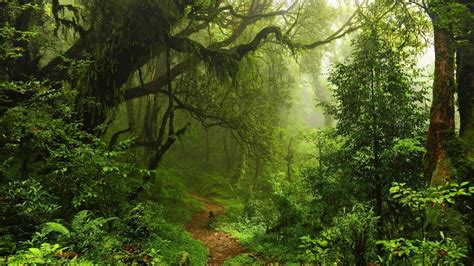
(442, 108)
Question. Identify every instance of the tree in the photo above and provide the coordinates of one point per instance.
(378, 104)
(126, 51)
(442, 108)
(445, 160)
(113, 42)
(465, 90)
(450, 21)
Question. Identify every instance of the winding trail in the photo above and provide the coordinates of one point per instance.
(220, 244)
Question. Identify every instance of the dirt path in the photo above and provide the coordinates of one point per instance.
(221, 245)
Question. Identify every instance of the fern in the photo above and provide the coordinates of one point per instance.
(55, 227)
(80, 219)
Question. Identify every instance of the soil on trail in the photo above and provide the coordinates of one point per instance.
(221, 245)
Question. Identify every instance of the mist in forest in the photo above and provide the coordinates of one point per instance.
(237, 132)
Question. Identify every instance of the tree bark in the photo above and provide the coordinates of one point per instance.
(442, 108)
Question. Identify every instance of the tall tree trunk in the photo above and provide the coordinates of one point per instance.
(437, 163)
(442, 108)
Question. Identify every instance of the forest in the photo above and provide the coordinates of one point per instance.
(237, 132)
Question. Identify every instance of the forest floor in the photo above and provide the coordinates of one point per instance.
(221, 245)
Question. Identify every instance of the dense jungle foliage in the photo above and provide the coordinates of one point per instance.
(237, 132)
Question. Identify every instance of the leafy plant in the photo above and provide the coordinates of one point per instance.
(349, 240)
(90, 235)
(431, 196)
(421, 201)
(46, 253)
(426, 251)
(31, 201)
(423, 252)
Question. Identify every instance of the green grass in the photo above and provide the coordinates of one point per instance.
(273, 246)
(243, 259)
(170, 193)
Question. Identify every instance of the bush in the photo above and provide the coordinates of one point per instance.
(444, 252)
(142, 235)
(48, 162)
(351, 239)
(30, 201)
(46, 253)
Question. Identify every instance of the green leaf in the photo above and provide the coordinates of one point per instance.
(323, 243)
(55, 227)
(394, 189)
(35, 251)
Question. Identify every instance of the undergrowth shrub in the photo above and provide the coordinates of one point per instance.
(422, 252)
(142, 235)
(350, 240)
